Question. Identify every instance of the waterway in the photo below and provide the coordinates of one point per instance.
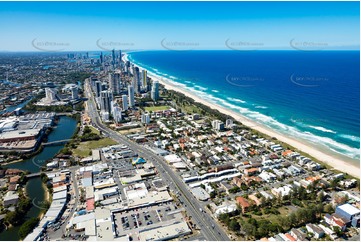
(34, 188)
(12, 108)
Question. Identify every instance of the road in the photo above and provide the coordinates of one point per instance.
(210, 228)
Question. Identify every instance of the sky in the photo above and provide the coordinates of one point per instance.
(86, 26)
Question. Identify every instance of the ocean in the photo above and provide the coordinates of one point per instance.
(309, 95)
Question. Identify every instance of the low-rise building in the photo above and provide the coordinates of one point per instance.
(200, 193)
(243, 203)
(11, 198)
(315, 230)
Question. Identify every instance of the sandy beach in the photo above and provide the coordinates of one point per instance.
(337, 163)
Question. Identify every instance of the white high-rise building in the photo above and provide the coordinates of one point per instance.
(50, 94)
(125, 102)
(131, 96)
(144, 80)
(104, 115)
(154, 94)
(229, 123)
(218, 125)
(145, 118)
(74, 93)
(117, 114)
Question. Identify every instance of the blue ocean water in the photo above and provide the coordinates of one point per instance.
(312, 95)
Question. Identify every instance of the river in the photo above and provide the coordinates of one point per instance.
(12, 108)
(34, 188)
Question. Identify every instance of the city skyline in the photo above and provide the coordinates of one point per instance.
(92, 26)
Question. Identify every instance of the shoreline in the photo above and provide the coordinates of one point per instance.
(46, 199)
(328, 159)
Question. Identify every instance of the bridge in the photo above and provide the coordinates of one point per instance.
(32, 175)
(56, 142)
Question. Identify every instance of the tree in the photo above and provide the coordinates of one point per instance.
(23, 205)
(27, 227)
(292, 219)
(249, 229)
(12, 218)
(234, 225)
(328, 208)
(284, 222)
(337, 231)
(320, 196)
(213, 194)
(234, 189)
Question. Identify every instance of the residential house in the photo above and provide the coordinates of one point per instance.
(298, 234)
(315, 230)
(243, 203)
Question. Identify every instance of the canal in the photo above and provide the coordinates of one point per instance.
(34, 188)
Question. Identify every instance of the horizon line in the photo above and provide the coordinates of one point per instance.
(177, 50)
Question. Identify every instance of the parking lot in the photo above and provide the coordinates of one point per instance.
(119, 164)
(139, 218)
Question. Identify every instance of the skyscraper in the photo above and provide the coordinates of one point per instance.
(136, 81)
(117, 114)
(144, 80)
(113, 58)
(155, 91)
(125, 102)
(145, 118)
(101, 57)
(93, 79)
(131, 96)
(114, 82)
(104, 86)
(127, 67)
(106, 98)
(98, 88)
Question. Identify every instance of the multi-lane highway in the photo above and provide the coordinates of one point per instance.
(209, 228)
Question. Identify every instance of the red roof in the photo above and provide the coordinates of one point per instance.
(242, 202)
(290, 237)
(90, 204)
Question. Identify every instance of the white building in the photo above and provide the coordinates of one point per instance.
(217, 125)
(225, 208)
(155, 91)
(117, 114)
(282, 191)
(144, 80)
(229, 123)
(131, 96)
(145, 118)
(51, 94)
